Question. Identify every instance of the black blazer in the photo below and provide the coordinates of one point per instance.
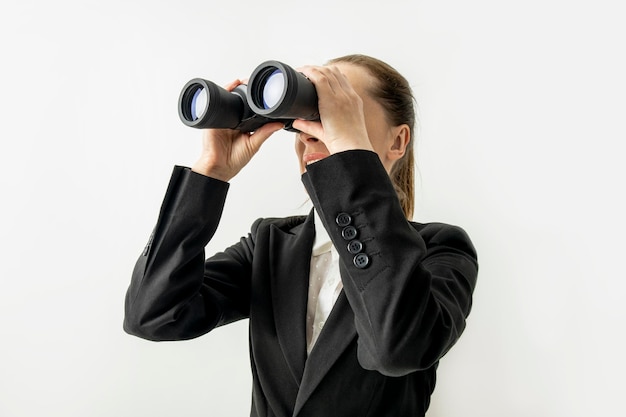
(407, 292)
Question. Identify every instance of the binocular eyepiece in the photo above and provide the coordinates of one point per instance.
(275, 92)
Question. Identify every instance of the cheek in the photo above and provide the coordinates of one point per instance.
(378, 133)
(375, 123)
(299, 147)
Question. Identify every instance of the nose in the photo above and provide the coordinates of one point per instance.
(307, 139)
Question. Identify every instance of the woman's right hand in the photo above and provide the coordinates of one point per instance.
(225, 151)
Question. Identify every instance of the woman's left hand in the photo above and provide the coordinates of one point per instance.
(342, 125)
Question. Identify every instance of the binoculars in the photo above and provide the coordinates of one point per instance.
(275, 93)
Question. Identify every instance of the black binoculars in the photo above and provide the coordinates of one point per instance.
(275, 93)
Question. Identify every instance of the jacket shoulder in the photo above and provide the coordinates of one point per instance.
(285, 224)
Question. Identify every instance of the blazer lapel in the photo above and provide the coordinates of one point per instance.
(290, 255)
(337, 334)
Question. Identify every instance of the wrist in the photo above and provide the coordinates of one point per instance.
(358, 143)
(210, 170)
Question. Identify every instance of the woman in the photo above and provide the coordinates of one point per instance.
(351, 307)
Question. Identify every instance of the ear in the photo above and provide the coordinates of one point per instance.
(401, 140)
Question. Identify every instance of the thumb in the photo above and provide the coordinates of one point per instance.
(261, 134)
(313, 128)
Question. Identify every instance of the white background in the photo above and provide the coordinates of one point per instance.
(521, 142)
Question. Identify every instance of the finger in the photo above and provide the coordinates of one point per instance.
(340, 77)
(311, 128)
(264, 132)
(233, 84)
(319, 77)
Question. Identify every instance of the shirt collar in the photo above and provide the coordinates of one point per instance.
(322, 242)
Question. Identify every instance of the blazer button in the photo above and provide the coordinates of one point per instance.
(343, 219)
(349, 232)
(361, 261)
(355, 247)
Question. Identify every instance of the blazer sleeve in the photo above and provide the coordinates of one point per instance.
(410, 286)
(170, 297)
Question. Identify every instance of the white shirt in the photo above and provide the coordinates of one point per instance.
(324, 283)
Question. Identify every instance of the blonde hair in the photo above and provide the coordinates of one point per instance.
(394, 93)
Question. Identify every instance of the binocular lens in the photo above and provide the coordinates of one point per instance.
(203, 104)
(273, 89)
(277, 91)
(198, 103)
